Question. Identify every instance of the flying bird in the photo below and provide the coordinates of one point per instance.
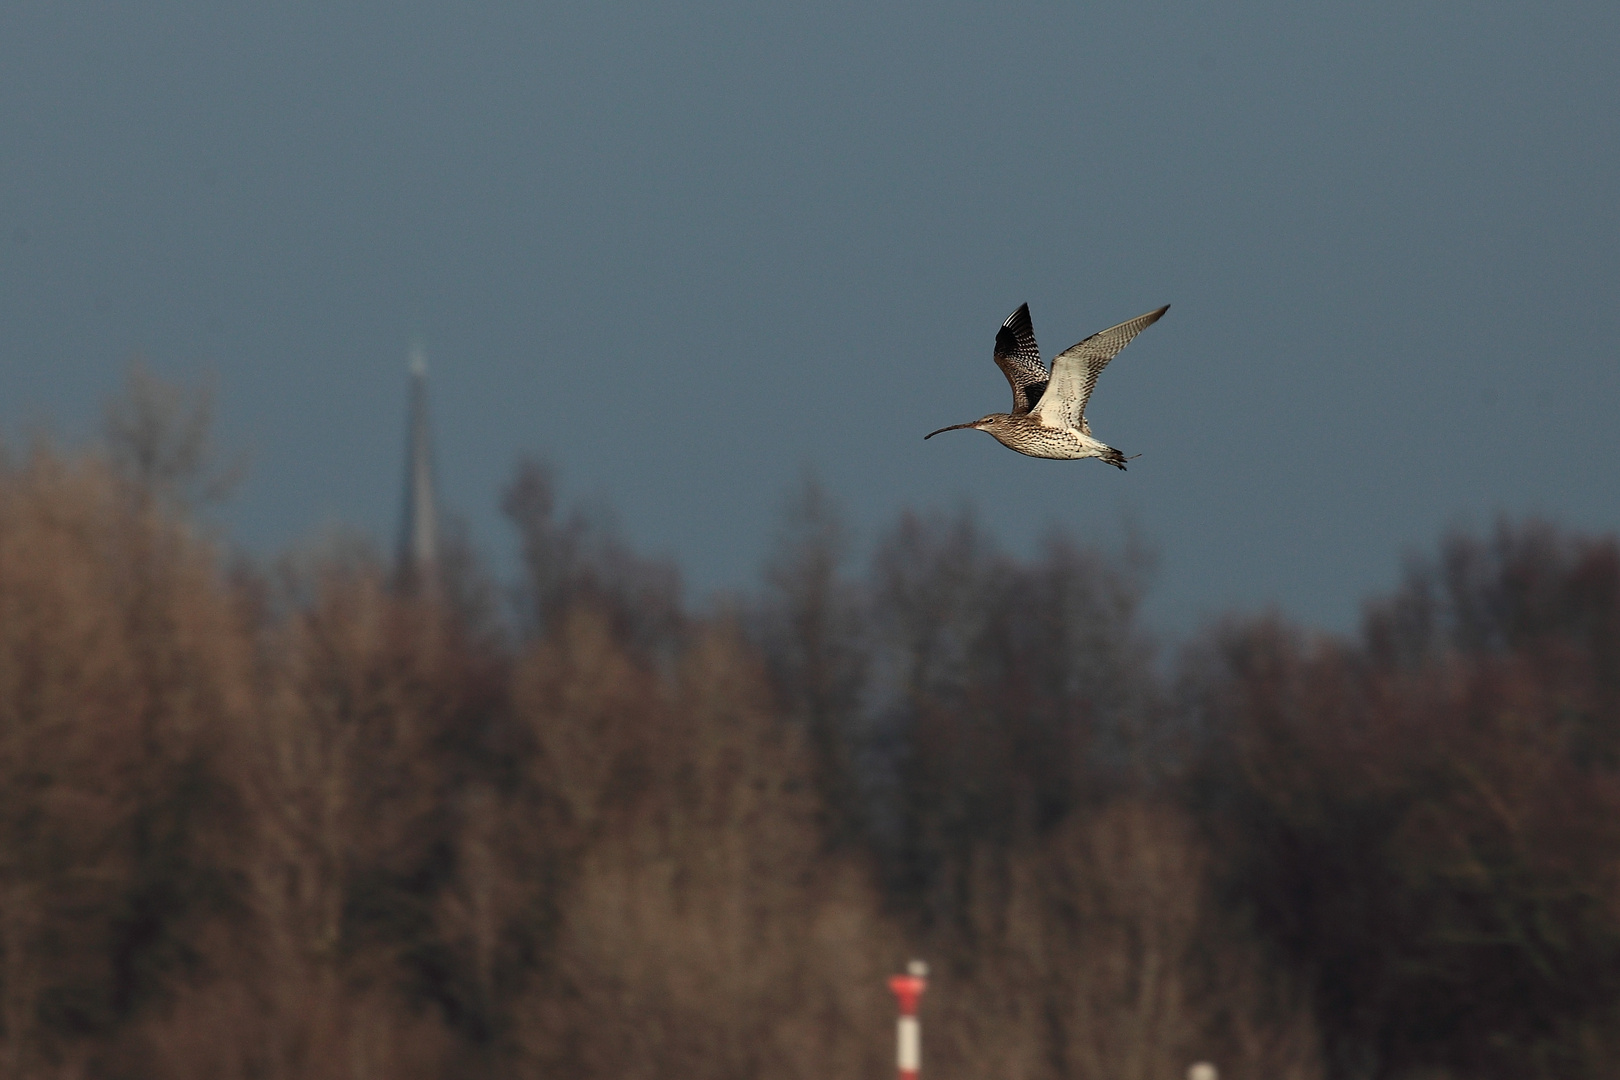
(1048, 418)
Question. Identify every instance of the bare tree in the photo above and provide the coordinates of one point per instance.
(813, 631)
(121, 664)
(582, 560)
(159, 435)
(703, 930)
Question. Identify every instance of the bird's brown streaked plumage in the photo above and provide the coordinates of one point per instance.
(1049, 408)
(1019, 358)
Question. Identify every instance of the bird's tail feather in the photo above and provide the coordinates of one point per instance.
(1117, 459)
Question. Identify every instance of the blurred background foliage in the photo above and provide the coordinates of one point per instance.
(301, 820)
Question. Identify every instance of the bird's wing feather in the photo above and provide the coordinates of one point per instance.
(1075, 371)
(1019, 358)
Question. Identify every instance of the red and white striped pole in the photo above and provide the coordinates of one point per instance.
(908, 988)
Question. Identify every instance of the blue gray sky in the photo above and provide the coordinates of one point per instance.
(690, 251)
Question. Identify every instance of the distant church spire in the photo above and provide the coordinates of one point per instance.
(419, 525)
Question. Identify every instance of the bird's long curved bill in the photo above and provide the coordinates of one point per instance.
(953, 427)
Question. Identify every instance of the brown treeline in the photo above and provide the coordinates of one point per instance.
(313, 821)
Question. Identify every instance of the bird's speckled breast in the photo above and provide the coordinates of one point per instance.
(1028, 436)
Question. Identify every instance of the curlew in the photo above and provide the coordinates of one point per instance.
(1049, 408)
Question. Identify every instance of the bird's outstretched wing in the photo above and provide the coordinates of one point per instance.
(1075, 371)
(1019, 358)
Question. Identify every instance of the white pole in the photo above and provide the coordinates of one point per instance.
(908, 988)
